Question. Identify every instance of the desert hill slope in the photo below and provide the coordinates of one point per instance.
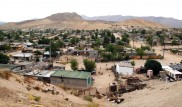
(18, 91)
(141, 23)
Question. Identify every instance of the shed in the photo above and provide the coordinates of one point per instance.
(72, 79)
(124, 68)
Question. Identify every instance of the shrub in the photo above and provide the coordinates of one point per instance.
(174, 51)
(88, 98)
(74, 64)
(89, 65)
(37, 88)
(153, 65)
(133, 63)
(4, 59)
(37, 98)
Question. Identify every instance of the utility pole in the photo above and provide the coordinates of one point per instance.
(163, 49)
(50, 52)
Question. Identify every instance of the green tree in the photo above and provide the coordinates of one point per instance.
(74, 64)
(37, 52)
(59, 44)
(4, 59)
(89, 65)
(153, 65)
(125, 39)
(113, 39)
(97, 42)
(106, 40)
(44, 40)
(53, 49)
(143, 31)
(5, 48)
(110, 48)
(74, 40)
(140, 52)
(150, 40)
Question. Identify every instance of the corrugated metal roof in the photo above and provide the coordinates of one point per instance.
(125, 64)
(72, 74)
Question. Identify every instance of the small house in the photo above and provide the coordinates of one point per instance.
(72, 79)
(23, 56)
(124, 68)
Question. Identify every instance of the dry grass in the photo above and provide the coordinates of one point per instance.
(93, 105)
(5, 74)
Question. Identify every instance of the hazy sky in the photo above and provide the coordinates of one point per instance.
(18, 10)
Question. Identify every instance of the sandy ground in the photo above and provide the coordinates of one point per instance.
(168, 56)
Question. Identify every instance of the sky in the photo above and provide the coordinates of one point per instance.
(19, 10)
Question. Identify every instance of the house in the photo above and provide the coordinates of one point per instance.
(28, 44)
(72, 79)
(124, 68)
(85, 52)
(23, 56)
(84, 44)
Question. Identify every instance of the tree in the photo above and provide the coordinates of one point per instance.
(113, 39)
(37, 52)
(53, 48)
(4, 59)
(153, 65)
(59, 44)
(125, 39)
(106, 40)
(143, 31)
(140, 52)
(89, 65)
(5, 48)
(44, 40)
(74, 64)
(110, 48)
(74, 40)
(150, 40)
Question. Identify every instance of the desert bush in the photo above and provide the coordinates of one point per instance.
(5, 74)
(133, 63)
(33, 97)
(36, 88)
(88, 98)
(28, 80)
(37, 98)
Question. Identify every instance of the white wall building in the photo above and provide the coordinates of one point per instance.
(124, 68)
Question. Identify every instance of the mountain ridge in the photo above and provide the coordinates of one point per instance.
(172, 22)
(75, 21)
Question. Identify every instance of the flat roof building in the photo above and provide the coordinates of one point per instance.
(72, 79)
